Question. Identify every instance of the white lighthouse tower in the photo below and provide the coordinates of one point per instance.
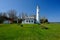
(37, 15)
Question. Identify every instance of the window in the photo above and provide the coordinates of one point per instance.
(29, 21)
(32, 21)
(26, 20)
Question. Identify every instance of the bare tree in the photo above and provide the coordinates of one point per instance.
(24, 15)
(12, 14)
(20, 16)
(3, 16)
(0, 14)
(1, 20)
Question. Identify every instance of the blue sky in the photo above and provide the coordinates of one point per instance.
(48, 8)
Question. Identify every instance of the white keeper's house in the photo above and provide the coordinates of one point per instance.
(33, 18)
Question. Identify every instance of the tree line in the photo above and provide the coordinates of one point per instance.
(12, 16)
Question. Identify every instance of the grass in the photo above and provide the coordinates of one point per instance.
(29, 32)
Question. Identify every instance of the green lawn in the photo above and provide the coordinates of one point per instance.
(29, 32)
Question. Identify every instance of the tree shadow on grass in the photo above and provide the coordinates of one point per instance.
(44, 27)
